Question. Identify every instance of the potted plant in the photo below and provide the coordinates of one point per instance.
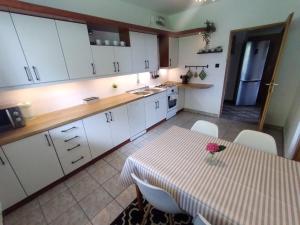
(206, 35)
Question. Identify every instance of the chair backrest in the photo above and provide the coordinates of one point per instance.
(157, 197)
(206, 127)
(200, 220)
(258, 140)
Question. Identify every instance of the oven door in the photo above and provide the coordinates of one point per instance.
(172, 101)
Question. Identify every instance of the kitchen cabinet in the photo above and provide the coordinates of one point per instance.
(98, 133)
(136, 117)
(42, 49)
(156, 108)
(11, 190)
(107, 130)
(13, 66)
(144, 52)
(112, 60)
(181, 99)
(35, 161)
(173, 52)
(76, 48)
(71, 145)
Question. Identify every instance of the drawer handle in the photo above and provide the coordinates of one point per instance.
(2, 161)
(70, 149)
(75, 161)
(67, 140)
(64, 131)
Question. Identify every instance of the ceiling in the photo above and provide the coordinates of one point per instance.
(163, 6)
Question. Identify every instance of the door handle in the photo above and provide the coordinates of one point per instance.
(115, 68)
(36, 72)
(106, 115)
(28, 73)
(170, 62)
(2, 161)
(118, 66)
(111, 118)
(93, 68)
(48, 141)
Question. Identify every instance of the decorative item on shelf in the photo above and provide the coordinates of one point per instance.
(218, 49)
(123, 43)
(185, 79)
(206, 34)
(114, 86)
(195, 74)
(116, 43)
(154, 74)
(202, 74)
(98, 42)
(107, 42)
(212, 149)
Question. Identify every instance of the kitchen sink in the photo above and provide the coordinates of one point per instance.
(146, 91)
(142, 92)
(153, 89)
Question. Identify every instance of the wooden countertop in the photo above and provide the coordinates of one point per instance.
(191, 85)
(55, 119)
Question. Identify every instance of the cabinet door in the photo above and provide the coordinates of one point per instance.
(119, 125)
(123, 59)
(138, 52)
(98, 133)
(162, 108)
(104, 60)
(181, 97)
(76, 48)
(173, 52)
(136, 117)
(34, 161)
(40, 42)
(11, 190)
(151, 115)
(151, 45)
(12, 59)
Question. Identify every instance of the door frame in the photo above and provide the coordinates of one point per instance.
(228, 60)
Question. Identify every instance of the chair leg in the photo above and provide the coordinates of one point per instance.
(171, 218)
(147, 212)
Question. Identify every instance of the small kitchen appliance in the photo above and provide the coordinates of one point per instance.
(11, 118)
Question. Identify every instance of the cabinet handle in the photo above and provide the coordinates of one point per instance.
(111, 118)
(64, 131)
(158, 104)
(118, 66)
(70, 149)
(36, 72)
(28, 73)
(67, 140)
(75, 161)
(93, 67)
(148, 65)
(145, 64)
(2, 161)
(115, 68)
(170, 62)
(107, 119)
(48, 141)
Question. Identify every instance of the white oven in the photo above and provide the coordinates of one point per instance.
(172, 100)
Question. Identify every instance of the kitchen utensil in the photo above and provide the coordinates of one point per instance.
(202, 74)
(195, 74)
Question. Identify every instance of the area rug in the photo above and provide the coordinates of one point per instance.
(132, 216)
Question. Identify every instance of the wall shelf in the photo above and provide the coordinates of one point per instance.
(209, 51)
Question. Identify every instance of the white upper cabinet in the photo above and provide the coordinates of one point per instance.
(40, 42)
(151, 44)
(11, 190)
(13, 66)
(173, 52)
(104, 60)
(76, 48)
(139, 60)
(123, 59)
(35, 161)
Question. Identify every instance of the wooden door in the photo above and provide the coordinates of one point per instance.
(75, 43)
(272, 84)
(13, 66)
(104, 60)
(123, 59)
(40, 42)
(34, 161)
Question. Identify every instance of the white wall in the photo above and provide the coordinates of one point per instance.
(59, 96)
(232, 14)
(292, 128)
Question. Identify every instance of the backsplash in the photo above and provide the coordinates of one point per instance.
(59, 96)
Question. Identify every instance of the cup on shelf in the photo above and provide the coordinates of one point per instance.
(116, 43)
(98, 42)
(122, 43)
(107, 42)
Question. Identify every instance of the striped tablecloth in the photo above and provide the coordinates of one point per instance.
(246, 186)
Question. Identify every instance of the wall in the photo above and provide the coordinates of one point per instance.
(250, 13)
(292, 128)
(59, 96)
(110, 9)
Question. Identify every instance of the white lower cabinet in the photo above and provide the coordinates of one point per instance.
(11, 190)
(181, 97)
(136, 117)
(71, 145)
(35, 161)
(156, 108)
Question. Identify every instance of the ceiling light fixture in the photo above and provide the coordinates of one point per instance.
(204, 1)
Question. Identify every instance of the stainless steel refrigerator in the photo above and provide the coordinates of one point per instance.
(252, 70)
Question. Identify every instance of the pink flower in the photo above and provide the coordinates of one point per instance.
(212, 147)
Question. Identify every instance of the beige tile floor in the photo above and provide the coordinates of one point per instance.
(94, 196)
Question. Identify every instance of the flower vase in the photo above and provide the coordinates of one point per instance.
(212, 159)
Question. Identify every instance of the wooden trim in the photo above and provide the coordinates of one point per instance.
(155, 125)
(64, 178)
(164, 48)
(94, 21)
(275, 72)
(297, 155)
(265, 26)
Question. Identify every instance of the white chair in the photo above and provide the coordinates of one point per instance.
(206, 127)
(200, 220)
(257, 140)
(158, 198)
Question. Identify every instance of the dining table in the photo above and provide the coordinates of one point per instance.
(243, 186)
